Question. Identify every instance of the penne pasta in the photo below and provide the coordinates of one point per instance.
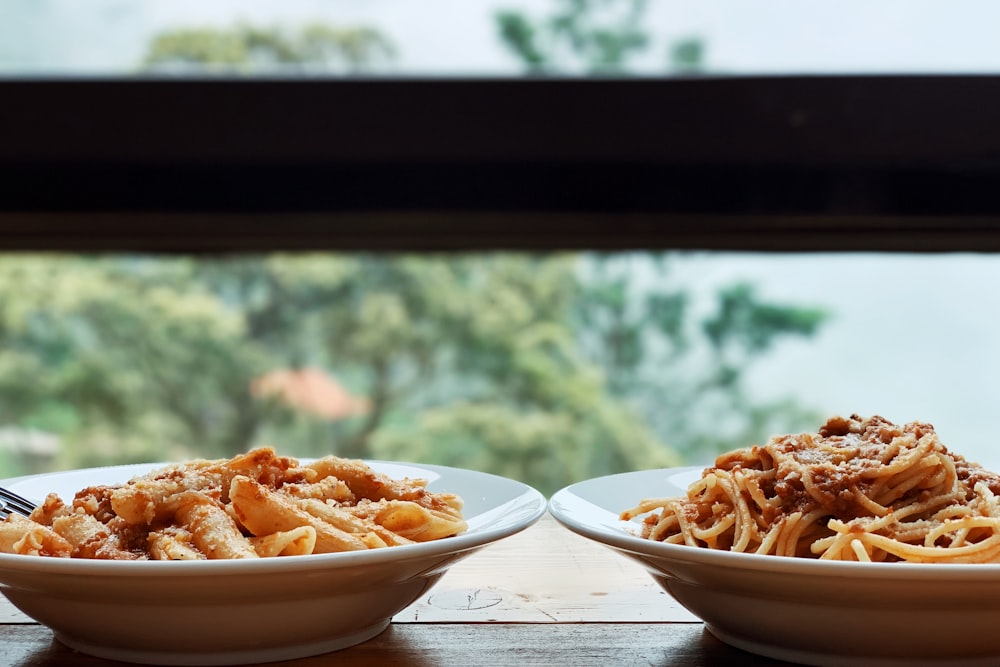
(254, 505)
(299, 541)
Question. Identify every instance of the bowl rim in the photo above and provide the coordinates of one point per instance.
(576, 508)
(526, 506)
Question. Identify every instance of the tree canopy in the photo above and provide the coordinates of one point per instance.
(250, 49)
(537, 367)
(593, 37)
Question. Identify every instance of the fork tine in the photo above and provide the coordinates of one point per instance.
(16, 501)
(7, 508)
(12, 502)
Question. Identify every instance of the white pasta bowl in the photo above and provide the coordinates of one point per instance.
(224, 612)
(798, 609)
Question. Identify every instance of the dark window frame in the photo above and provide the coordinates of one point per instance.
(895, 163)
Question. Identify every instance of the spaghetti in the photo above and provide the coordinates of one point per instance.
(859, 489)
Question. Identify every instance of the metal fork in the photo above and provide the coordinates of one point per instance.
(11, 503)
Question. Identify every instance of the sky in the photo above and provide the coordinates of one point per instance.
(910, 337)
(452, 37)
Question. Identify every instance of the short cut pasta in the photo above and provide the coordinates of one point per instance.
(254, 505)
(859, 489)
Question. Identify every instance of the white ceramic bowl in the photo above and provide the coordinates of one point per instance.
(796, 609)
(249, 611)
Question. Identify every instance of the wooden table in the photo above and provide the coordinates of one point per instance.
(572, 602)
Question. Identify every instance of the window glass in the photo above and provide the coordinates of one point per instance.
(548, 368)
(494, 37)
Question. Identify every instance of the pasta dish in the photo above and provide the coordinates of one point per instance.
(253, 505)
(859, 489)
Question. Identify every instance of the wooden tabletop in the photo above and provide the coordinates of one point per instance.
(574, 602)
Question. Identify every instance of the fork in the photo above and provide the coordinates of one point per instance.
(11, 503)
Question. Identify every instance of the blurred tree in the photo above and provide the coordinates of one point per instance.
(464, 360)
(597, 35)
(315, 48)
(683, 369)
(603, 37)
(684, 373)
(467, 360)
(494, 375)
(687, 55)
(522, 364)
(129, 359)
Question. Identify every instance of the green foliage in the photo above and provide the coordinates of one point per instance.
(602, 37)
(249, 49)
(545, 413)
(549, 448)
(115, 346)
(687, 55)
(144, 358)
(682, 371)
(597, 35)
(546, 368)
(751, 327)
(520, 36)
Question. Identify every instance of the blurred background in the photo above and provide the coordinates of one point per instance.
(548, 368)
(498, 37)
